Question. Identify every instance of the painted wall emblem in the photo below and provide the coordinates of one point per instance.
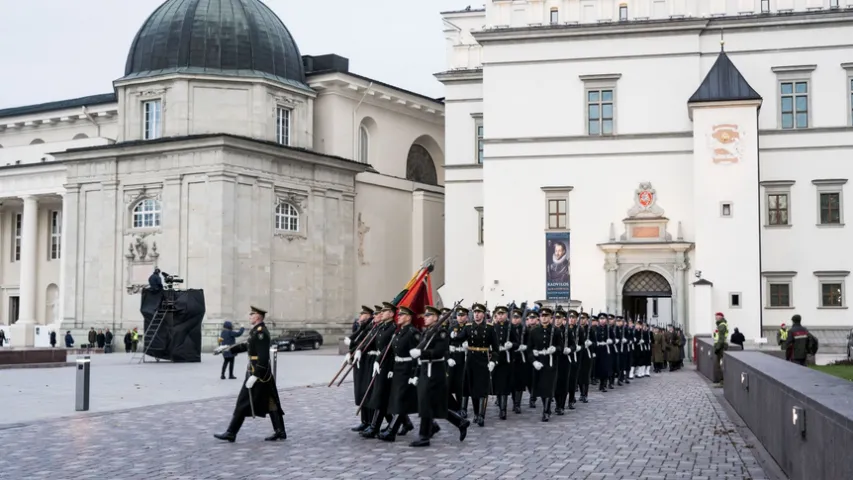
(646, 198)
(725, 143)
(645, 202)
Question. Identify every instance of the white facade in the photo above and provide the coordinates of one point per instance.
(309, 201)
(529, 84)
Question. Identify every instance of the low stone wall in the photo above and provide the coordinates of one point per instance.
(802, 417)
(706, 361)
(21, 356)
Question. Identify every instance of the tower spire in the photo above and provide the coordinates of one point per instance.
(722, 40)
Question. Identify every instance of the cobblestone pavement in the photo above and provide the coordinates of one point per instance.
(668, 426)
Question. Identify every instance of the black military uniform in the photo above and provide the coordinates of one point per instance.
(403, 399)
(456, 365)
(564, 363)
(520, 369)
(585, 354)
(604, 343)
(258, 395)
(574, 366)
(381, 368)
(543, 342)
(501, 375)
(623, 336)
(482, 345)
(361, 372)
(431, 353)
(531, 371)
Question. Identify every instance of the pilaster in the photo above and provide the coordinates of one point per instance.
(111, 289)
(220, 238)
(71, 255)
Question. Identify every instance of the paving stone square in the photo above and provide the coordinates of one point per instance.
(669, 426)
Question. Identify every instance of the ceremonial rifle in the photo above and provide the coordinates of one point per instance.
(346, 361)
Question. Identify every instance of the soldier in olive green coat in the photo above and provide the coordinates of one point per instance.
(720, 336)
(658, 344)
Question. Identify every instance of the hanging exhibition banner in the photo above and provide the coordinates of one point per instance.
(557, 276)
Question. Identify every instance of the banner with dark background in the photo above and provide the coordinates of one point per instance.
(557, 276)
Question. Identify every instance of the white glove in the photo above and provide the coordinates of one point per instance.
(347, 341)
(451, 362)
(507, 345)
(413, 381)
(375, 368)
(587, 343)
(609, 341)
(452, 334)
(251, 381)
(537, 365)
(624, 340)
(593, 355)
(219, 349)
(415, 353)
(390, 374)
(567, 351)
(347, 358)
(491, 366)
(522, 348)
(552, 349)
(357, 356)
(536, 353)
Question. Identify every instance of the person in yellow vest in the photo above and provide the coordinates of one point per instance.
(721, 334)
(781, 337)
(134, 339)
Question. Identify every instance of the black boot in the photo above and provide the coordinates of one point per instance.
(424, 433)
(407, 426)
(464, 410)
(532, 401)
(461, 423)
(388, 419)
(279, 433)
(366, 416)
(233, 428)
(373, 429)
(516, 402)
(391, 434)
(545, 413)
(502, 401)
(435, 429)
(482, 416)
(231, 371)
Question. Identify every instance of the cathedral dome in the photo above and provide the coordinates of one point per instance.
(242, 38)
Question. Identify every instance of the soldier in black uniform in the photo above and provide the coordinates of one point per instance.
(585, 355)
(456, 364)
(501, 376)
(543, 342)
(520, 370)
(532, 322)
(574, 366)
(482, 345)
(647, 357)
(403, 398)
(381, 370)
(622, 336)
(615, 350)
(258, 395)
(564, 363)
(604, 344)
(431, 353)
(360, 373)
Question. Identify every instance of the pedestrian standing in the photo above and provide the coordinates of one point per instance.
(228, 337)
(800, 342)
(52, 339)
(108, 341)
(127, 342)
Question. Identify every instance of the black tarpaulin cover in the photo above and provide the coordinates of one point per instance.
(179, 336)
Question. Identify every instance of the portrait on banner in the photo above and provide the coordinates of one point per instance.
(557, 266)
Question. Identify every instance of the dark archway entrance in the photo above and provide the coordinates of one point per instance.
(647, 295)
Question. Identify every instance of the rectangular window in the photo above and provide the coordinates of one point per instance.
(152, 120)
(14, 309)
(734, 300)
(480, 230)
(282, 126)
(557, 214)
(779, 295)
(623, 13)
(833, 3)
(850, 95)
(830, 208)
(777, 209)
(831, 294)
(557, 207)
(795, 104)
(599, 105)
(16, 241)
(726, 209)
(55, 235)
(765, 6)
(479, 139)
(555, 16)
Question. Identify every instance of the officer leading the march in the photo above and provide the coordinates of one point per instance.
(482, 345)
(258, 395)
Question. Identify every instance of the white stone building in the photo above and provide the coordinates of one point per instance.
(225, 157)
(684, 180)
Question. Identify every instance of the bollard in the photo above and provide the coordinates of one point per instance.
(274, 361)
(83, 369)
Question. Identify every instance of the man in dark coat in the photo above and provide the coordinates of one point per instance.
(532, 322)
(431, 355)
(543, 342)
(800, 342)
(520, 369)
(361, 370)
(155, 283)
(482, 346)
(564, 362)
(228, 337)
(383, 363)
(501, 386)
(573, 351)
(604, 345)
(52, 339)
(403, 397)
(585, 355)
(456, 364)
(258, 395)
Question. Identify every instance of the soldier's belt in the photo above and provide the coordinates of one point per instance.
(373, 352)
(403, 359)
(478, 349)
(429, 364)
(601, 344)
(253, 357)
(456, 349)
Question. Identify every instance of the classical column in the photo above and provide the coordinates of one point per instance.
(611, 266)
(681, 293)
(63, 259)
(29, 246)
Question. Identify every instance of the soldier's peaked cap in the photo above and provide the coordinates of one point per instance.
(584, 315)
(517, 312)
(560, 313)
(546, 311)
(445, 310)
(259, 311)
(501, 309)
(609, 316)
(377, 308)
(461, 311)
(366, 309)
(405, 311)
(532, 314)
(389, 307)
(479, 308)
(602, 315)
(573, 313)
(430, 310)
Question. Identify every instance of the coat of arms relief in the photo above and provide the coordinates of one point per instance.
(725, 143)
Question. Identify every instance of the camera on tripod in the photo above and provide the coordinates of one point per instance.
(171, 280)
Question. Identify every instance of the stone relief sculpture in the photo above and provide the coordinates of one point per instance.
(362, 232)
(645, 202)
(142, 259)
(141, 248)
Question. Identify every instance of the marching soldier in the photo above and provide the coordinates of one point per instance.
(585, 356)
(383, 362)
(431, 384)
(615, 349)
(647, 357)
(532, 322)
(520, 368)
(456, 364)
(482, 344)
(603, 361)
(361, 375)
(501, 386)
(633, 347)
(625, 357)
(403, 397)
(258, 395)
(574, 366)
(564, 362)
(658, 352)
(543, 343)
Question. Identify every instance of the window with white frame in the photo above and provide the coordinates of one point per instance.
(478, 137)
(480, 229)
(830, 211)
(557, 207)
(363, 144)
(735, 300)
(765, 6)
(794, 99)
(152, 123)
(17, 220)
(555, 16)
(777, 201)
(623, 12)
(833, 3)
(55, 235)
(849, 88)
(600, 103)
(282, 126)
(286, 218)
(831, 288)
(726, 209)
(146, 214)
(779, 288)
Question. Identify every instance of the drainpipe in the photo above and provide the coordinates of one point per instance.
(91, 119)
(355, 128)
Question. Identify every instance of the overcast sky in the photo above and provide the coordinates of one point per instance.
(59, 49)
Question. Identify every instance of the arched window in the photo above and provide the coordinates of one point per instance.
(286, 218)
(36, 141)
(420, 166)
(363, 144)
(80, 136)
(146, 214)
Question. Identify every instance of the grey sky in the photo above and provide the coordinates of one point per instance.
(58, 49)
